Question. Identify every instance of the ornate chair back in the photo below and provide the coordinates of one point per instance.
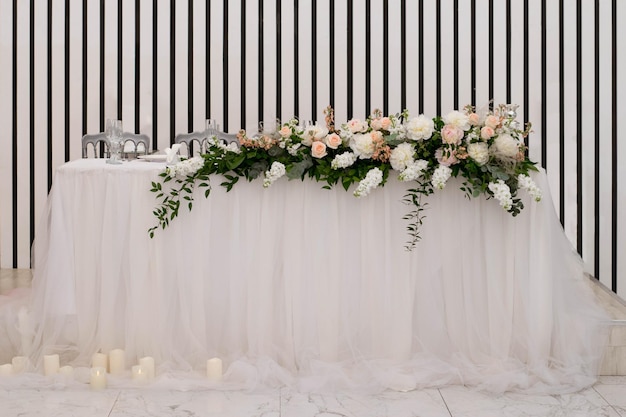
(135, 144)
(191, 140)
(98, 142)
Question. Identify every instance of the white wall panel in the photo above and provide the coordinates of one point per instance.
(6, 132)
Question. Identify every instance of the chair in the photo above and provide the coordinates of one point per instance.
(98, 142)
(190, 139)
(227, 138)
(135, 144)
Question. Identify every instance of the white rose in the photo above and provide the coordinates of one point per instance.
(362, 145)
(420, 128)
(506, 145)
(458, 119)
(401, 156)
(479, 152)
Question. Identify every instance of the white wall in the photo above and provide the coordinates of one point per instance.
(572, 93)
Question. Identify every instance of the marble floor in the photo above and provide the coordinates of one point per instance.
(606, 398)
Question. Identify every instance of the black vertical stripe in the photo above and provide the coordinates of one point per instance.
(490, 17)
(561, 115)
(137, 61)
(420, 52)
(508, 51)
(579, 130)
(190, 67)
(526, 70)
(101, 110)
(261, 66)
(84, 63)
(314, 60)
(296, 66)
(438, 55)
(172, 71)
(332, 53)
(32, 121)
(67, 81)
(155, 96)
(49, 95)
(279, 60)
(386, 57)
(614, 189)
(242, 96)
(473, 49)
(368, 57)
(596, 162)
(207, 53)
(14, 132)
(119, 59)
(455, 52)
(403, 54)
(350, 56)
(225, 65)
(544, 88)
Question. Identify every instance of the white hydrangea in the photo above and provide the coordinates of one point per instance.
(186, 167)
(343, 160)
(402, 156)
(420, 128)
(414, 170)
(372, 180)
(502, 193)
(526, 183)
(276, 171)
(440, 176)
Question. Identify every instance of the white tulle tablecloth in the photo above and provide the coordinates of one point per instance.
(297, 285)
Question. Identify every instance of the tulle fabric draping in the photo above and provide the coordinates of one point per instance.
(311, 288)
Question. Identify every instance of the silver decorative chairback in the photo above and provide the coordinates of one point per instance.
(191, 140)
(97, 141)
(227, 138)
(135, 144)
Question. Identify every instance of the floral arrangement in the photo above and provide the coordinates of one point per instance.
(484, 148)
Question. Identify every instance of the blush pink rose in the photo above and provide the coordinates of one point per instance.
(487, 132)
(333, 141)
(285, 131)
(318, 149)
(451, 134)
(474, 119)
(447, 158)
(356, 126)
(492, 121)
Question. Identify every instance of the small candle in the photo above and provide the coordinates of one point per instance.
(98, 378)
(19, 364)
(214, 368)
(148, 365)
(6, 369)
(139, 373)
(99, 360)
(117, 361)
(67, 371)
(50, 364)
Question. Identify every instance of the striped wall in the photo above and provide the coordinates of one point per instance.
(163, 67)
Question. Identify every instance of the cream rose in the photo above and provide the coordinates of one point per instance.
(420, 128)
(487, 132)
(333, 141)
(357, 126)
(451, 134)
(474, 119)
(402, 156)
(479, 152)
(492, 121)
(318, 149)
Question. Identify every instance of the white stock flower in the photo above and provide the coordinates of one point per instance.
(276, 171)
(502, 193)
(293, 149)
(372, 179)
(401, 156)
(362, 145)
(441, 176)
(506, 145)
(420, 128)
(526, 183)
(479, 152)
(186, 167)
(343, 160)
(458, 119)
(413, 171)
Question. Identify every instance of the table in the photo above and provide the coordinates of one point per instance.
(302, 286)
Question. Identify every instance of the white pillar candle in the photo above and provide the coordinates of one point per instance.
(19, 364)
(139, 373)
(117, 361)
(214, 368)
(100, 360)
(6, 369)
(50, 364)
(98, 378)
(148, 365)
(67, 371)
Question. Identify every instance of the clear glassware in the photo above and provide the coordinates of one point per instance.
(113, 131)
